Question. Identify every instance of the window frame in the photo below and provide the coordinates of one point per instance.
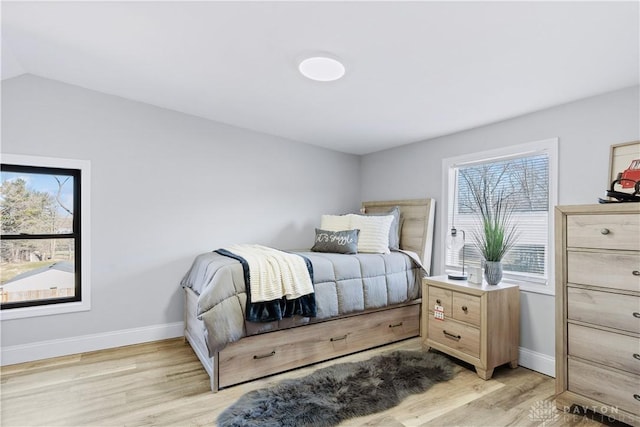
(81, 302)
(547, 146)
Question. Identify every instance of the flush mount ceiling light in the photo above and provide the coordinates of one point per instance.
(322, 68)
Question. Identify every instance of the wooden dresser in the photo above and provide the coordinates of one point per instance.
(479, 324)
(598, 309)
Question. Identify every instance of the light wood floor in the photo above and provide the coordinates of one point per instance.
(163, 383)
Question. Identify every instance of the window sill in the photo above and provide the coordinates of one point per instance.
(44, 310)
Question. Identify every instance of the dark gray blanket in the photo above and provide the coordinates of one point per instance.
(343, 284)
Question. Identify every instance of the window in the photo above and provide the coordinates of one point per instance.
(44, 247)
(526, 175)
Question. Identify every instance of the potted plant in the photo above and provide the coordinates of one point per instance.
(496, 233)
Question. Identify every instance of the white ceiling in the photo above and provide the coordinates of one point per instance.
(415, 70)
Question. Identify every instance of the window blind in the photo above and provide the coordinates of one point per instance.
(524, 182)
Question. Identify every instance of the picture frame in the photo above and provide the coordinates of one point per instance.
(624, 162)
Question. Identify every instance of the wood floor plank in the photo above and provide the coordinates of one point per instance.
(163, 384)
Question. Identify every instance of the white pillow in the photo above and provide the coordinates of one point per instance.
(335, 222)
(374, 232)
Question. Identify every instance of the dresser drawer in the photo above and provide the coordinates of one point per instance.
(611, 231)
(604, 308)
(455, 335)
(442, 297)
(603, 347)
(295, 347)
(605, 385)
(466, 308)
(606, 269)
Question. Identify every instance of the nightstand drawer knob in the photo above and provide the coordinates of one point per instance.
(636, 315)
(636, 356)
(635, 273)
(604, 231)
(451, 336)
(464, 308)
(636, 397)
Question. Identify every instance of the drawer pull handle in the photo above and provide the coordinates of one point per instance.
(452, 336)
(396, 325)
(264, 356)
(636, 356)
(464, 308)
(438, 302)
(636, 315)
(604, 231)
(344, 337)
(636, 397)
(635, 273)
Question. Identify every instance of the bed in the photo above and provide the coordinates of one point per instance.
(380, 306)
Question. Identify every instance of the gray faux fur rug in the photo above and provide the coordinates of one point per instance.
(333, 394)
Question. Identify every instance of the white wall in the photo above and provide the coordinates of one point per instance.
(586, 129)
(165, 187)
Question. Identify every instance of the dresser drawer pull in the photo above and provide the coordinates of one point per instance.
(395, 325)
(464, 308)
(636, 356)
(636, 315)
(344, 337)
(636, 396)
(264, 356)
(452, 336)
(635, 273)
(604, 231)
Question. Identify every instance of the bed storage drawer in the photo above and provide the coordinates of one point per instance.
(292, 348)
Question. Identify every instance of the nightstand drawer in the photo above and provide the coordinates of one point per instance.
(603, 231)
(604, 309)
(456, 335)
(440, 297)
(466, 308)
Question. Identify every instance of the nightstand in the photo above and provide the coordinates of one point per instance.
(479, 324)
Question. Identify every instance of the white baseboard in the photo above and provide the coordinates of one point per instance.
(539, 362)
(63, 347)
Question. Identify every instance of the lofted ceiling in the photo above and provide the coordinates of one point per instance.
(414, 70)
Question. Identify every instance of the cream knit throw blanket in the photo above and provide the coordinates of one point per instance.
(274, 274)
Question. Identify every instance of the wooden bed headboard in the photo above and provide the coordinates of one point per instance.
(417, 223)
